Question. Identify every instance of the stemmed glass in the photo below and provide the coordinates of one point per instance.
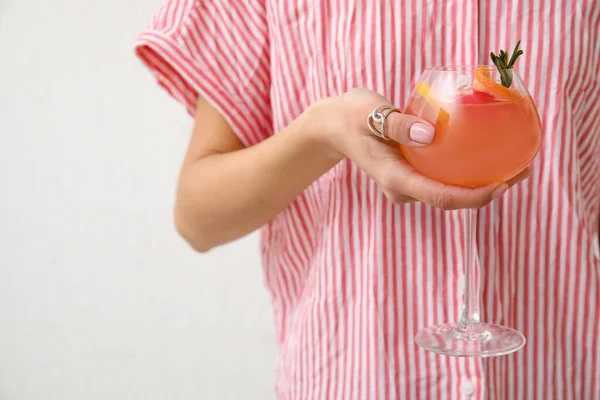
(487, 131)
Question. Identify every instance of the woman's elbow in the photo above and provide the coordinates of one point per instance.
(196, 236)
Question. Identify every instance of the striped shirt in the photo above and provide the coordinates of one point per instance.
(352, 276)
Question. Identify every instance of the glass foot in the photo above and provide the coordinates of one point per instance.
(473, 340)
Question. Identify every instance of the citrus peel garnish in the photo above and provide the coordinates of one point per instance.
(442, 119)
(429, 95)
(423, 90)
(484, 83)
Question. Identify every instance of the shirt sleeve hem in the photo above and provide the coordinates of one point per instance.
(181, 77)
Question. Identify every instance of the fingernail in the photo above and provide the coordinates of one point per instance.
(421, 133)
(499, 191)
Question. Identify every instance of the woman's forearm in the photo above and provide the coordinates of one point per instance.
(223, 197)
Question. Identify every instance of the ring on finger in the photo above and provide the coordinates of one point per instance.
(376, 120)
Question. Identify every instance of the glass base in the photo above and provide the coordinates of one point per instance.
(472, 340)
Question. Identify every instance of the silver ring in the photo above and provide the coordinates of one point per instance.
(378, 116)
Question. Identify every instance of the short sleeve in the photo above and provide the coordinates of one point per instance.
(217, 49)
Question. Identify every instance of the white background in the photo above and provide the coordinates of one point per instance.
(99, 298)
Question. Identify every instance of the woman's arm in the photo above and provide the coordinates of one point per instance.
(227, 191)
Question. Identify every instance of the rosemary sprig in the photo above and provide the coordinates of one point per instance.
(505, 65)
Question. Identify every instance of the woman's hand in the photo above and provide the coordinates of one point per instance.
(346, 133)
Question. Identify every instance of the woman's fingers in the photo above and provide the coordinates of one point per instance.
(400, 181)
(409, 130)
(526, 173)
(402, 128)
(448, 197)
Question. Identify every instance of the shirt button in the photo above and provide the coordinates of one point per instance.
(468, 388)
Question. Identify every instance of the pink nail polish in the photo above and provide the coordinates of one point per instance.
(421, 133)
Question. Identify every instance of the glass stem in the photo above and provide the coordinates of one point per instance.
(471, 312)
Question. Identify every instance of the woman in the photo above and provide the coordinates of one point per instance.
(359, 252)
